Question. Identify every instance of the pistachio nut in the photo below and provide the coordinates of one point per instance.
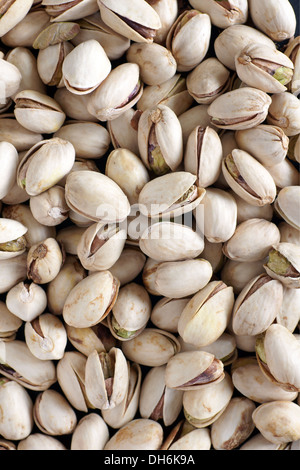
(80, 164)
(167, 11)
(223, 14)
(259, 442)
(193, 117)
(91, 433)
(74, 106)
(128, 171)
(56, 33)
(166, 312)
(278, 421)
(26, 30)
(267, 143)
(26, 300)
(69, 238)
(44, 165)
(12, 13)
(7, 445)
(39, 441)
(117, 93)
(123, 131)
(157, 400)
(9, 323)
(186, 437)
(96, 196)
(240, 246)
(22, 139)
(288, 315)
(71, 379)
(16, 406)
(19, 364)
(46, 337)
(208, 80)
(15, 195)
(152, 347)
(242, 108)
(12, 271)
(288, 233)
(284, 174)
(278, 21)
(91, 300)
(85, 67)
(50, 61)
(44, 261)
(155, 61)
(9, 162)
(86, 340)
(204, 406)
(283, 264)
(49, 208)
(188, 39)
(206, 316)
(129, 265)
(11, 79)
(251, 382)
(287, 205)
(257, 305)
(263, 67)
(232, 40)
(138, 434)
(284, 112)
(125, 412)
(224, 348)
(213, 254)
(12, 239)
(106, 378)
(134, 19)
(292, 51)
(160, 139)
(53, 414)
(70, 10)
(248, 178)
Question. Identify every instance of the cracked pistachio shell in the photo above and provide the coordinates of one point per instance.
(207, 314)
(9, 162)
(276, 19)
(120, 91)
(39, 441)
(123, 131)
(19, 364)
(242, 108)
(157, 400)
(11, 79)
(288, 315)
(223, 14)
(45, 164)
(288, 233)
(126, 410)
(208, 80)
(44, 261)
(46, 337)
(188, 39)
(16, 406)
(86, 340)
(152, 347)
(203, 407)
(130, 313)
(26, 62)
(240, 246)
(49, 208)
(167, 277)
(53, 414)
(167, 11)
(263, 67)
(284, 112)
(12, 271)
(166, 312)
(186, 437)
(74, 106)
(68, 10)
(91, 433)
(12, 238)
(248, 178)
(95, 144)
(160, 139)
(55, 34)
(138, 434)
(106, 378)
(169, 241)
(90, 301)
(170, 195)
(234, 426)
(71, 379)
(155, 61)
(224, 348)
(129, 265)
(128, 171)
(193, 370)
(232, 40)
(252, 383)
(278, 421)
(23, 139)
(287, 205)
(293, 52)
(49, 63)
(257, 306)
(283, 264)
(277, 352)
(96, 196)
(267, 143)
(13, 13)
(193, 117)
(133, 19)
(25, 32)
(85, 67)
(26, 300)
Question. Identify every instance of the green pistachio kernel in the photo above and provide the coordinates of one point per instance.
(278, 263)
(157, 163)
(121, 331)
(283, 75)
(14, 245)
(259, 347)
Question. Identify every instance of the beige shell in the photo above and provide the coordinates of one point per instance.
(123, 131)
(25, 32)
(12, 240)
(49, 208)
(12, 271)
(74, 106)
(284, 111)
(9, 323)
(39, 441)
(86, 340)
(14, 14)
(90, 301)
(292, 51)
(284, 174)
(166, 312)
(9, 162)
(72, 12)
(138, 434)
(278, 21)
(12, 80)
(129, 265)
(287, 205)
(186, 437)
(44, 261)
(23, 139)
(223, 16)
(91, 433)
(26, 300)
(71, 379)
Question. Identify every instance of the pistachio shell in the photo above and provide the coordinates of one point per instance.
(55, 34)
(287, 205)
(39, 441)
(26, 30)
(11, 131)
(9, 162)
(46, 337)
(44, 261)
(284, 111)
(15, 13)
(9, 323)
(26, 301)
(222, 14)
(71, 379)
(12, 240)
(91, 433)
(62, 10)
(166, 312)
(138, 434)
(278, 21)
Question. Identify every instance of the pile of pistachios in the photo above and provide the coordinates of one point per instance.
(149, 225)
